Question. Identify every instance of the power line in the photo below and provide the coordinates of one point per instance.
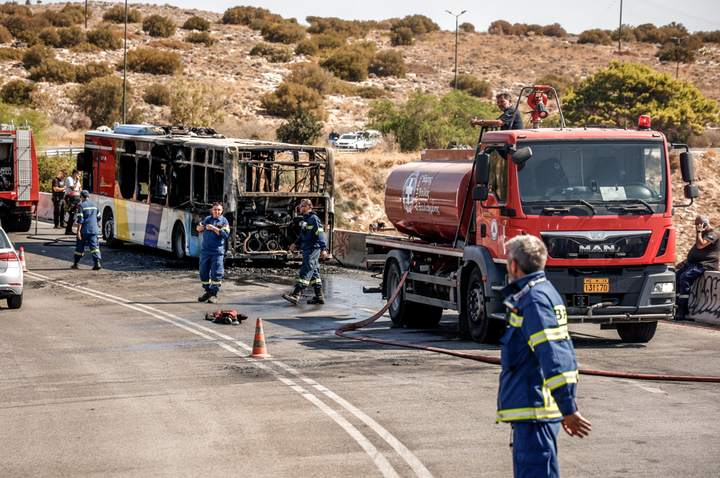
(678, 12)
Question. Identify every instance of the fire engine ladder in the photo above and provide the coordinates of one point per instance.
(24, 164)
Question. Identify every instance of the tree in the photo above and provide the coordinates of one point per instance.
(198, 103)
(102, 101)
(625, 91)
(301, 128)
(290, 99)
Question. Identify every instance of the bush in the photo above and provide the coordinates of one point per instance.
(500, 27)
(37, 55)
(17, 92)
(49, 37)
(24, 27)
(70, 37)
(150, 60)
(91, 70)
(10, 54)
(313, 76)
(54, 71)
(473, 86)
(272, 53)
(336, 26)
(370, 92)
(292, 99)
(117, 15)
(57, 19)
(283, 32)
(347, 65)
(104, 39)
(201, 37)
(561, 83)
(598, 37)
(707, 37)
(329, 41)
(401, 36)
(198, 103)
(5, 35)
(102, 101)
(671, 52)
(628, 36)
(467, 27)
(76, 12)
(388, 63)
(554, 30)
(301, 128)
(170, 45)
(307, 48)
(158, 26)
(156, 94)
(14, 9)
(246, 15)
(196, 23)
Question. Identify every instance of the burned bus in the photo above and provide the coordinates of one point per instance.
(154, 184)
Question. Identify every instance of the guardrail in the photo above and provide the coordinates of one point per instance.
(58, 150)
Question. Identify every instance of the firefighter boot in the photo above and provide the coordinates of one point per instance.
(205, 296)
(681, 312)
(75, 264)
(318, 299)
(97, 265)
(295, 296)
(213, 297)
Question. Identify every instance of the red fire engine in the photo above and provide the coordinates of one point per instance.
(18, 177)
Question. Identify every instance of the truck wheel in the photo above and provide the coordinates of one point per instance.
(637, 333)
(24, 223)
(10, 223)
(475, 311)
(398, 308)
(178, 242)
(108, 229)
(15, 301)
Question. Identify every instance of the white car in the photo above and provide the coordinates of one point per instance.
(11, 273)
(359, 140)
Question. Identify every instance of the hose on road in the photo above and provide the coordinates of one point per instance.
(494, 360)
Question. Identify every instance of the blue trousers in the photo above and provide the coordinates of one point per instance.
(310, 269)
(535, 450)
(92, 241)
(212, 267)
(685, 278)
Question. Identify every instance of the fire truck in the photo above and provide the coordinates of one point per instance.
(599, 198)
(18, 177)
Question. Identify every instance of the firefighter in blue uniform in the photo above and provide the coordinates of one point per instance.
(88, 221)
(216, 230)
(313, 242)
(539, 370)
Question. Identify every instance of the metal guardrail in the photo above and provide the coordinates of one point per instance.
(58, 150)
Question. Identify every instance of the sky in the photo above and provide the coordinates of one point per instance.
(575, 16)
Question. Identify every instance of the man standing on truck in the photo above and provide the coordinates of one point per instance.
(313, 242)
(510, 119)
(215, 230)
(704, 256)
(539, 370)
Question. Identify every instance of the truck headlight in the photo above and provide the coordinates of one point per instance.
(664, 287)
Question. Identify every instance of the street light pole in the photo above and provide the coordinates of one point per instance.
(125, 64)
(677, 55)
(456, 41)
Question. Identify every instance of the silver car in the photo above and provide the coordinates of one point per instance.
(11, 273)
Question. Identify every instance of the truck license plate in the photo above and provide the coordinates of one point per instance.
(596, 285)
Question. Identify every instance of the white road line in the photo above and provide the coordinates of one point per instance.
(375, 455)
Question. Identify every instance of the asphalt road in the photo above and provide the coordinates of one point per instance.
(116, 373)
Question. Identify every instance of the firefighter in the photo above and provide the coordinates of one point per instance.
(539, 369)
(216, 230)
(313, 242)
(88, 230)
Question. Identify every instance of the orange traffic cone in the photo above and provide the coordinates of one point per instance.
(22, 259)
(259, 349)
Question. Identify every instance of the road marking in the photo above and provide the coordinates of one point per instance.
(375, 455)
(647, 389)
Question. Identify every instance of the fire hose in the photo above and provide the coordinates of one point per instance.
(494, 360)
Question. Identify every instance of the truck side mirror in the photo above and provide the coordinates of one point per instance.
(480, 193)
(522, 155)
(482, 168)
(691, 191)
(687, 167)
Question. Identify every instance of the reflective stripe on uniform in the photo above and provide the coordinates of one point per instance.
(78, 253)
(315, 281)
(562, 379)
(216, 282)
(205, 282)
(528, 414)
(94, 250)
(319, 230)
(555, 333)
(303, 281)
(515, 320)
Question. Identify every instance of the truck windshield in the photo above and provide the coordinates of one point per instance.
(614, 177)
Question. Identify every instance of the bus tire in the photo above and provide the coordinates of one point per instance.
(108, 229)
(638, 333)
(178, 242)
(24, 223)
(475, 310)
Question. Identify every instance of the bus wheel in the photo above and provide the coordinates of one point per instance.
(637, 333)
(475, 311)
(178, 242)
(108, 230)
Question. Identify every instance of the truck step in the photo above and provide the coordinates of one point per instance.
(368, 289)
(497, 315)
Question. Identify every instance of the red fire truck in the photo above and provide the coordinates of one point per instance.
(599, 198)
(18, 177)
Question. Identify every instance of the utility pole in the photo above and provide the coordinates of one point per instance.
(125, 64)
(677, 55)
(456, 41)
(86, 7)
(620, 29)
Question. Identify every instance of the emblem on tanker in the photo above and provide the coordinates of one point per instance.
(494, 230)
(408, 197)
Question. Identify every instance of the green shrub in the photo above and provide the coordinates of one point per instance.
(344, 28)
(10, 54)
(156, 94)
(50, 37)
(104, 39)
(672, 52)
(500, 27)
(301, 128)
(628, 36)
(272, 53)
(473, 86)
(36, 55)
(313, 76)
(91, 70)
(117, 15)
(54, 71)
(291, 99)
(401, 36)
(201, 37)
(554, 30)
(707, 37)
(467, 27)
(245, 15)
(24, 27)
(370, 92)
(5, 35)
(347, 65)
(150, 60)
(307, 48)
(329, 41)
(257, 24)
(56, 19)
(196, 23)
(76, 12)
(85, 47)
(419, 24)
(158, 26)
(17, 92)
(102, 101)
(198, 103)
(70, 37)
(598, 37)
(561, 83)
(388, 63)
(283, 32)
(15, 9)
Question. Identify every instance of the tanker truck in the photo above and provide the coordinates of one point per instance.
(599, 198)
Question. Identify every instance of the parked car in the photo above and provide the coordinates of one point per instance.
(359, 140)
(11, 274)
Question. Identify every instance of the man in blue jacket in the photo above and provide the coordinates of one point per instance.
(313, 242)
(88, 221)
(215, 230)
(539, 370)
